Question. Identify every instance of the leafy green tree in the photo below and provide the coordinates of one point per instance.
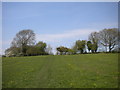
(12, 51)
(65, 50)
(32, 51)
(94, 48)
(41, 46)
(89, 45)
(59, 51)
(62, 50)
(94, 39)
(80, 45)
(71, 51)
(74, 49)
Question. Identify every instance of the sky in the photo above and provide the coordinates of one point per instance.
(57, 23)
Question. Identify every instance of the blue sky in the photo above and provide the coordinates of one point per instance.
(57, 23)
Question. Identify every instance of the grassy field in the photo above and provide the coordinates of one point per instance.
(67, 71)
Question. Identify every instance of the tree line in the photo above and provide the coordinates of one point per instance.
(24, 44)
(107, 39)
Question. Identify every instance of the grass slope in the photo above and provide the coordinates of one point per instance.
(68, 71)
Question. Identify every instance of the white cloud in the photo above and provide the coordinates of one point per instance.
(80, 33)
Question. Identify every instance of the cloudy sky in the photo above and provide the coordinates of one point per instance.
(57, 23)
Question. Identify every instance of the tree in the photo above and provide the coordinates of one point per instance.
(32, 51)
(59, 50)
(109, 38)
(80, 45)
(12, 51)
(94, 39)
(94, 47)
(70, 51)
(89, 45)
(38, 49)
(41, 46)
(74, 49)
(65, 50)
(23, 39)
(62, 50)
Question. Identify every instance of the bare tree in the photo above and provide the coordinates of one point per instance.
(23, 39)
(109, 38)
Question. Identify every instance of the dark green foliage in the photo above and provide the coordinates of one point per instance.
(94, 47)
(80, 45)
(62, 50)
(89, 45)
(38, 49)
(71, 52)
(41, 46)
(94, 41)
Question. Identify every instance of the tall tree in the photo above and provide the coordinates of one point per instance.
(94, 38)
(23, 39)
(109, 38)
(80, 45)
(89, 45)
(94, 47)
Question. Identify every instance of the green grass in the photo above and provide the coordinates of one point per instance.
(67, 71)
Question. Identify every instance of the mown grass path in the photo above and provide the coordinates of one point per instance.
(67, 71)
